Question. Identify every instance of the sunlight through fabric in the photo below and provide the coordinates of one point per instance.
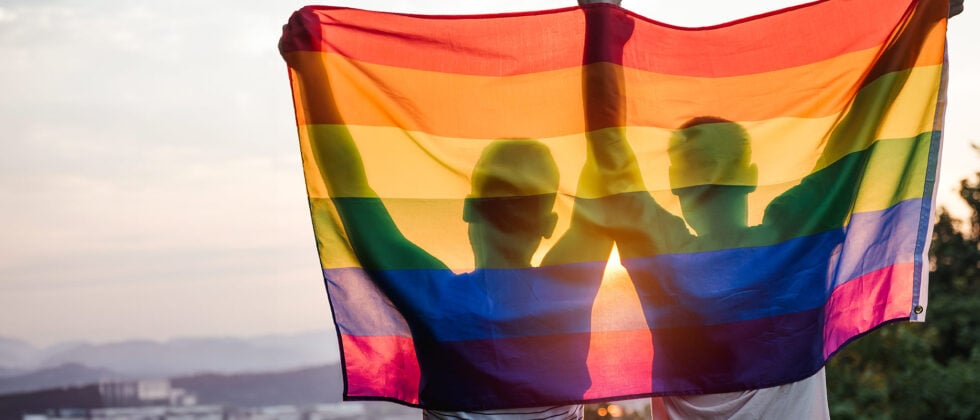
(582, 204)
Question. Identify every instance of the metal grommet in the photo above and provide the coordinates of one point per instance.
(919, 309)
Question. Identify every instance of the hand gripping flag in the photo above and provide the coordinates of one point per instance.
(583, 204)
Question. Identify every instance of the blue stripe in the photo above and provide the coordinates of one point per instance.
(697, 289)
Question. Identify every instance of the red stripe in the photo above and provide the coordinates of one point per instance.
(620, 362)
(383, 367)
(542, 41)
(865, 302)
(624, 363)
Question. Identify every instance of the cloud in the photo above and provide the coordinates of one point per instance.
(6, 16)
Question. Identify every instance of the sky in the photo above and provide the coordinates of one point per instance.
(150, 179)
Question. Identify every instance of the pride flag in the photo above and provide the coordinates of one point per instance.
(583, 204)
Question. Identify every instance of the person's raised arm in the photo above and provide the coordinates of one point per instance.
(891, 70)
(375, 238)
(334, 150)
(837, 170)
(955, 8)
(610, 165)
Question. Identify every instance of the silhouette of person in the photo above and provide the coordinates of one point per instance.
(509, 212)
(712, 175)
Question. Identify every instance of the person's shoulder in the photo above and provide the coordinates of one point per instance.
(561, 412)
(803, 399)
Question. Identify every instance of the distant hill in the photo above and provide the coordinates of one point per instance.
(5, 372)
(71, 374)
(16, 355)
(315, 385)
(180, 357)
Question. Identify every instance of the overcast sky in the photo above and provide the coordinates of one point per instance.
(150, 182)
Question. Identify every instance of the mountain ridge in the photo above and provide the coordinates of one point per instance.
(140, 358)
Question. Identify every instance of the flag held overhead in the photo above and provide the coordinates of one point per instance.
(767, 183)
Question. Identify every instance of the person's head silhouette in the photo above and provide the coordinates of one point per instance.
(510, 208)
(712, 173)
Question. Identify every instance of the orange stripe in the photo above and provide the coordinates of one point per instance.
(550, 104)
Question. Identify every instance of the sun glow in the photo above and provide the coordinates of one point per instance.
(616, 305)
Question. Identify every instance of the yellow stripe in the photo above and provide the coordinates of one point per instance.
(407, 164)
(895, 172)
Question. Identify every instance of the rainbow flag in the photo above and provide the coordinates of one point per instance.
(582, 204)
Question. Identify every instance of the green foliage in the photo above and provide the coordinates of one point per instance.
(929, 370)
